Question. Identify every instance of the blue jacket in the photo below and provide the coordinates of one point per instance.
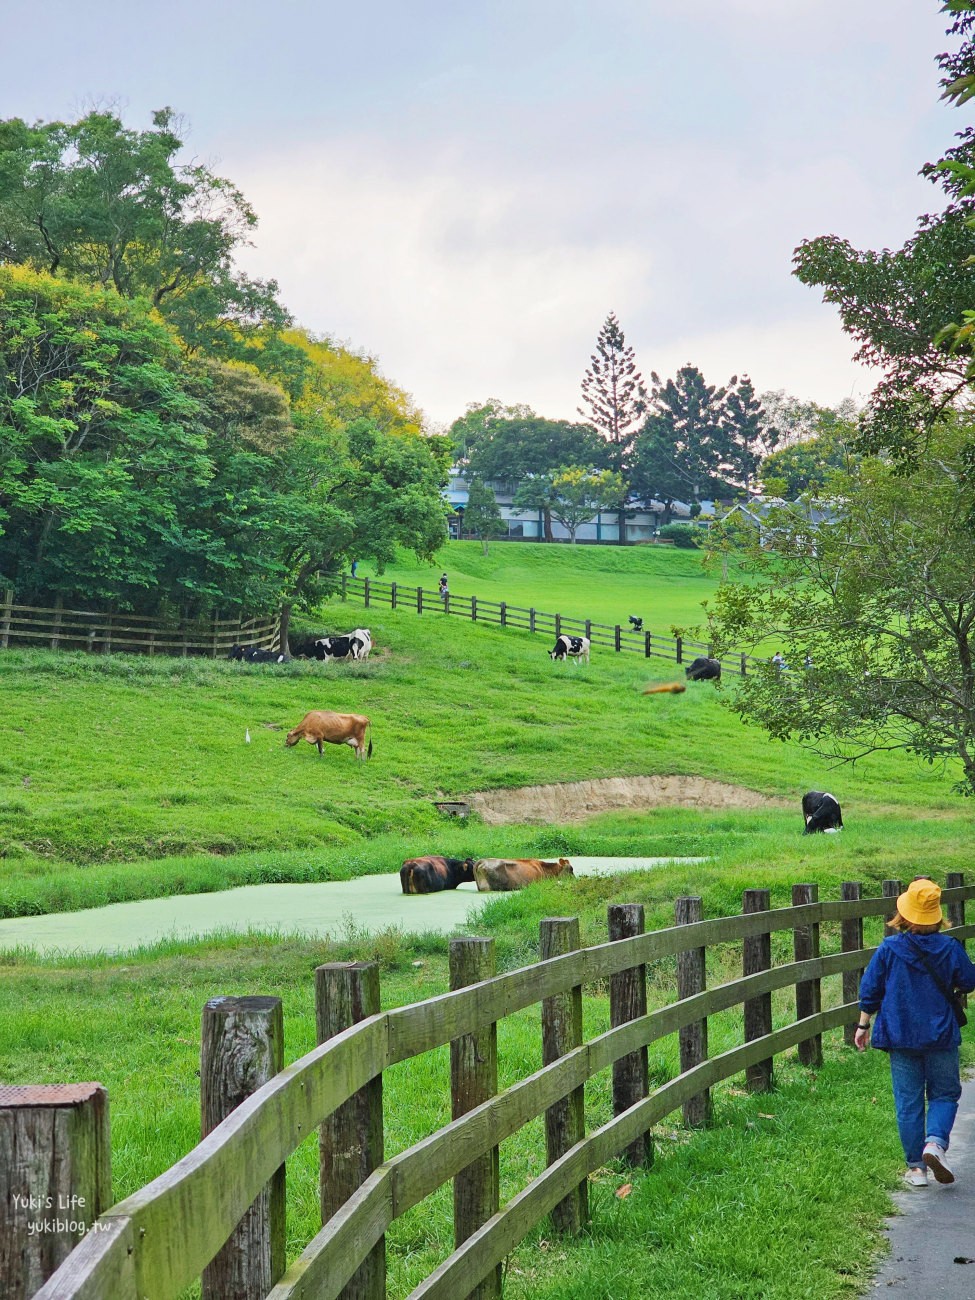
(911, 1010)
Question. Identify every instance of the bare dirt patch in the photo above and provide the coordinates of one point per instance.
(577, 800)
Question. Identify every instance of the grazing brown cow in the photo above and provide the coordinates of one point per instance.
(336, 728)
(497, 875)
(431, 874)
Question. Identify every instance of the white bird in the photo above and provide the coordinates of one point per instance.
(247, 736)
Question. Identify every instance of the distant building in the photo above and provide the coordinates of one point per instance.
(757, 511)
(642, 518)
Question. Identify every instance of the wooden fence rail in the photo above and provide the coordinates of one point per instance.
(105, 631)
(160, 1239)
(651, 645)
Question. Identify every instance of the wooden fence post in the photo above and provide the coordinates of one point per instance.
(55, 1178)
(365, 592)
(744, 664)
(473, 609)
(757, 956)
(565, 1122)
(956, 911)
(851, 938)
(107, 643)
(531, 620)
(891, 889)
(345, 585)
(8, 604)
(589, 628)
(504, 613)
(473, 1080)
(351, 1139)
(693, 1039)
(616, 638)
(419, 600)
(628, 1001)
(558, 625)
(392, 595)
(216, 636)
(242, 1048)
(647, 645)
(680, 650)
(809, 993)
(56, 629)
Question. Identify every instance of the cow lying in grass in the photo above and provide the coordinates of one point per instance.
(499, 875)
(252, 654)
(321, 726)
(821, 812)
(431, 874)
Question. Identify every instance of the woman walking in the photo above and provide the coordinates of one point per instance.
(909, 984)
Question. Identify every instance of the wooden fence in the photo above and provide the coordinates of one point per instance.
(163, 1237)
(61, 628)
(651, 645)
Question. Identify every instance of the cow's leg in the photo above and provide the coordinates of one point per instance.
(320, 748)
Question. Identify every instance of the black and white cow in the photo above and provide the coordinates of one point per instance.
(365, 637)
(703, 670)
(250, 654)
(342, 647)
(821, 812)
(570, 647)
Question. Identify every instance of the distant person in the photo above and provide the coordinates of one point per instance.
(779, 660)
(355, 565)
(444, 589)
(807, 663)
(909, 984)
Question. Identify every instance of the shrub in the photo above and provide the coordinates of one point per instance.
(680, 534)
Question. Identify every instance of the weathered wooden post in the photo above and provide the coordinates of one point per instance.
(891, 889)
(473, 609)
(851, 938)
(757, 956)
(365, 592)
(628, 1001)
(504, 613)
(565, 1122)
(242, 1048)
(345, 585)
(8, 605)
(56, 628)
(647, 645)
(55, 1178)
(744, 664)
(589, 628)
(558, 624)
(693, 1038)
(531, 619)
(679, 645)
(955, 910)
(473, 1080)
(392, 595)
(617, 635)
(419, 600)
(809, 993)
(351, 1139)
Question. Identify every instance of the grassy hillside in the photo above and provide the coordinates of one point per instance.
(663, 585)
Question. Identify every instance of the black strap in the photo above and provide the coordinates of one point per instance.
(945, 991)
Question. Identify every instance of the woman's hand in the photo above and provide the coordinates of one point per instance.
(861, 1038)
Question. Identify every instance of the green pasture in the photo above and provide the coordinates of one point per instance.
(132, 778)
(662, 584)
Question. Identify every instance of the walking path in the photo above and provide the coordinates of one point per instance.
(334, 908)
(932, 1238)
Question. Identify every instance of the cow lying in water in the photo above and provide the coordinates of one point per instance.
(498, 875)
(321, 726)
(821, 812)
(431, 874)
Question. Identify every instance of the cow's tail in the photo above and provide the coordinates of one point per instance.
(369, 750)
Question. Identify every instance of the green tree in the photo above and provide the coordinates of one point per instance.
(579, 493)
(807, 466)
(882, 601)
(97, 201)
(481, 514)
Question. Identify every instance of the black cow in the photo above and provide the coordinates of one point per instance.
(303, 647)
(703, 670)
(570, 647)
(821, 812)
(431, 874)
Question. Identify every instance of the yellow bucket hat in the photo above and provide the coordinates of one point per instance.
(920, 904)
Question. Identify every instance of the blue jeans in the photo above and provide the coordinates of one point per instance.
(912, 1074)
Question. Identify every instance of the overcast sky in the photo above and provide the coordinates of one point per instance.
(465, 189)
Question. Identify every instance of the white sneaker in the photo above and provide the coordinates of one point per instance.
(915, 1177)
(936, 1160)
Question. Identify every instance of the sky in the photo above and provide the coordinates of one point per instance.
(465, 189)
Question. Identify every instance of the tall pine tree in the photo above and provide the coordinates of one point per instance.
(615, 399)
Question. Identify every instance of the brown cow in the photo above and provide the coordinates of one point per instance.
(495, 875)
(431, 874)
(336, 728)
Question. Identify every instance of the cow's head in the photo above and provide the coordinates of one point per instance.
(566, 866)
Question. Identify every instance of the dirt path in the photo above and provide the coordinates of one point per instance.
(576, 800)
